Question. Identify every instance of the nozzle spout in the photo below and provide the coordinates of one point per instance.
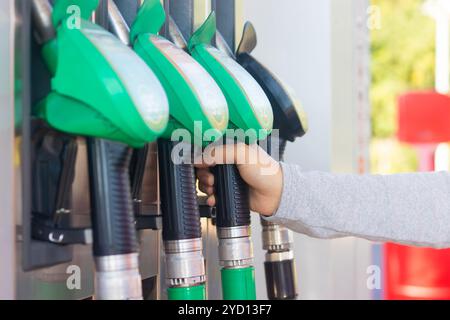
(42, 21)
(117, 23)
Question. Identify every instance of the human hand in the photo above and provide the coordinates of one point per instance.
(261, 172)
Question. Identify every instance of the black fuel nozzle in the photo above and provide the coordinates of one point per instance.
(289, 116)
(116, 247)
(291, 122)
(115, 240)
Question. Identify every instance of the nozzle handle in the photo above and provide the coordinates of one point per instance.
(179, 206)
(232, 203)
(112, 216)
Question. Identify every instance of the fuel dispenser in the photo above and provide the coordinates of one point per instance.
(291, 122)
(91, 108)
(101, 89)
(197, 105)
(249, 111)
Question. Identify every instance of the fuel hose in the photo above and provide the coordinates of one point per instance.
(185, 269)
(233, 231)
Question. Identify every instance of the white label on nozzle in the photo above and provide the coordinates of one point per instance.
(141, 84)
(201, 83)
(254, 93)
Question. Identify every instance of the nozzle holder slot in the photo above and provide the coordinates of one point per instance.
(205, 210)
(53, 172)
(145, 222)
(145, 217)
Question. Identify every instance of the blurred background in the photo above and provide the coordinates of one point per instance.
(373, 77)
(402, 59)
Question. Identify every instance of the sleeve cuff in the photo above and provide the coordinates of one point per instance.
(288, 193)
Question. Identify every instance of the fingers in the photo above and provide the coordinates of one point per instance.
(205, 177)
(206, 185)
(206, 189)
(211, 201)
(221, 154)
(205, 181)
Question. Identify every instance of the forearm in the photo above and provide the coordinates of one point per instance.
(405, 208)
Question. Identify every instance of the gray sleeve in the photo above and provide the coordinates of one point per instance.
(411, 209)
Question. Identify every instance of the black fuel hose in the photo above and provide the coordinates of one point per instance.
(232, 204)
(112, 218)
(179, 206)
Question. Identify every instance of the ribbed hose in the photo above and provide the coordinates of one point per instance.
(185, 266)
(233, 222)
(181, 215)
(232, 204)
(112, 215)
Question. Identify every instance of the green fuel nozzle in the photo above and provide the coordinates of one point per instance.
(197, 107)
(107, 91)
(194, 97)
(251, 114)
(102, 89)
(248, 105)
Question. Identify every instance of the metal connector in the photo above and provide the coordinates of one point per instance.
(279, 256)
(184, 262)
(276, 237)
(117, 277)
(235, 247)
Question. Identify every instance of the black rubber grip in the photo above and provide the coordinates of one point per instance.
(179, 206)
(280, 279)
(112, 215)
(232, 207)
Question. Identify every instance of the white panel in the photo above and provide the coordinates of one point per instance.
(293, 40)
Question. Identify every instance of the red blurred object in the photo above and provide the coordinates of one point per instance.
(424, 117)
(416, 273)
(420, 273)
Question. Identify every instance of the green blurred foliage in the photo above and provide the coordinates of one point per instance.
(402, 59)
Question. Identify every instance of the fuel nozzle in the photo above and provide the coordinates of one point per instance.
(250, 112)
(194, 99)
(81, 104)
(291, 122)
(41, 12)
(289, 117)
(279, 266)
